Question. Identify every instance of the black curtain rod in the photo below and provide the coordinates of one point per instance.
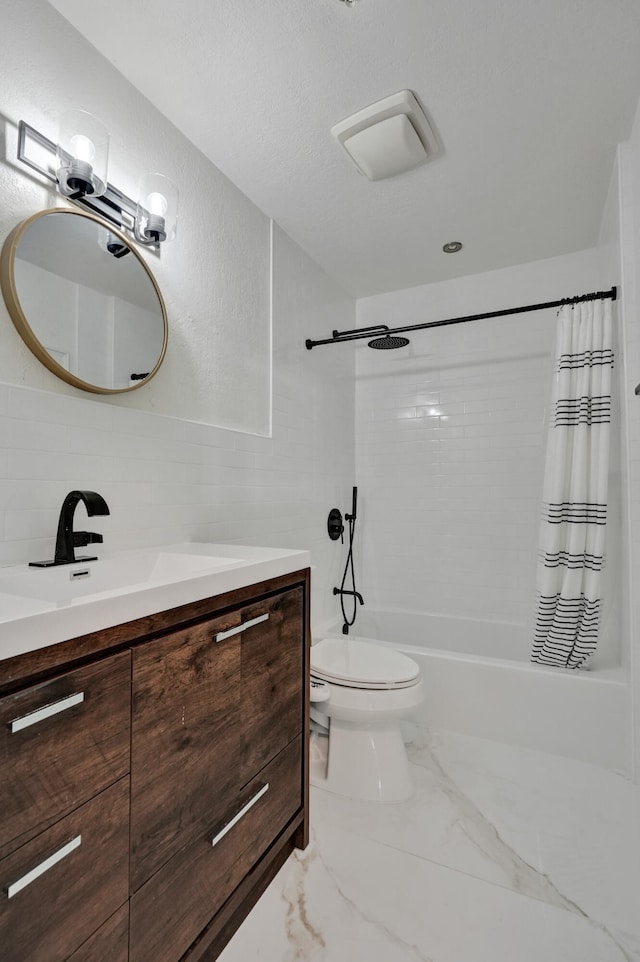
(362, 332)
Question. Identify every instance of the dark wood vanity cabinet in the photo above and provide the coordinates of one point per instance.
(170, 773)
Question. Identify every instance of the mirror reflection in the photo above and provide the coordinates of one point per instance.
(84, 301)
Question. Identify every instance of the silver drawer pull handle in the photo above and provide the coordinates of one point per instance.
(46, 712)
(243, 627)
(236, 818)
(43, 867)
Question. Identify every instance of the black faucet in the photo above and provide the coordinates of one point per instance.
(67, 539)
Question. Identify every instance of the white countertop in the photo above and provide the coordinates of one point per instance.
(44, 606)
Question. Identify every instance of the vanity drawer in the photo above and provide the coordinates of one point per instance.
(58, 889)
(61, 742)
(173, 908)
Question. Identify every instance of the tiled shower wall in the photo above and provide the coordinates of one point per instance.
(450, 436)
(168, 480)
(449, 460)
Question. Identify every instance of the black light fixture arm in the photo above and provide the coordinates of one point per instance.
(363, 332)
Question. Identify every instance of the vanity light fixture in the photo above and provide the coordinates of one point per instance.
(82, 155)
(78, 165)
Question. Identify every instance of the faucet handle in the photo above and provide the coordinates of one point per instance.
(82, 538)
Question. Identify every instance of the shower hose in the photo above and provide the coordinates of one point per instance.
(349, 569)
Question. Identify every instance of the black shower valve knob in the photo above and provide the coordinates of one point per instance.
(335, 526)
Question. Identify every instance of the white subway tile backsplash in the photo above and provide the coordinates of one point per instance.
(60, 409)
(27, 525)
(57, 466)
(141, 424)
(15, 433)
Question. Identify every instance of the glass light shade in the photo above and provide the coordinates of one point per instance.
(157, 211)
(82, 154)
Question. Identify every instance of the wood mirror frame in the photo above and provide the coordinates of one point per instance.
(25, 329)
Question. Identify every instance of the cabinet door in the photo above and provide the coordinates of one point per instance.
(61, 742)
(212, 704)
(272, 678)
(175, 906)
(185, 740)
(58, 888)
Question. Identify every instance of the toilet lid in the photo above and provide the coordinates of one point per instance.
(360, 663)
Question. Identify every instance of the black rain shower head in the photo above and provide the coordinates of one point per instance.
(388, 343)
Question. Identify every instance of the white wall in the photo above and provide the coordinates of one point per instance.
(627, 181)
(616, 573)
(166, 473)
(450, 444)
(214, 277)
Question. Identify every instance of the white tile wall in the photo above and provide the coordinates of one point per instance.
(450, 437)
(168, 480)
(449, 459)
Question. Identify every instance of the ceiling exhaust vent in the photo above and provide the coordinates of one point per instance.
(389, 137)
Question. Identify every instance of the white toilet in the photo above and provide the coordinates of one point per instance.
(371, 690)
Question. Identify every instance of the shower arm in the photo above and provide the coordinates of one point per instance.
(361, 332)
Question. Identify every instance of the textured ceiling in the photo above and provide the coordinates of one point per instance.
(528, 100)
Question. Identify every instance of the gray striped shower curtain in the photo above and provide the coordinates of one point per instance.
(574, 510)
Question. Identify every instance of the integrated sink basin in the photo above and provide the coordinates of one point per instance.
(127, 572)
(44, 606)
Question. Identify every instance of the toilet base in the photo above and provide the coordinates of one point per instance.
(367, 762)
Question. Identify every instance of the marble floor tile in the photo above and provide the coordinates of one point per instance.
(438, 823)
(349, 899)
(578, 825)
(502, 855)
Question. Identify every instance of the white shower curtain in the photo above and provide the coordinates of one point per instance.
(572, 531)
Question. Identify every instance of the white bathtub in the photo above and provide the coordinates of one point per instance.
(479, 682)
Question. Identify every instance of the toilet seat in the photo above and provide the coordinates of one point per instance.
(360, 664)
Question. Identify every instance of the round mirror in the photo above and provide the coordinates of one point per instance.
(84, 301)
